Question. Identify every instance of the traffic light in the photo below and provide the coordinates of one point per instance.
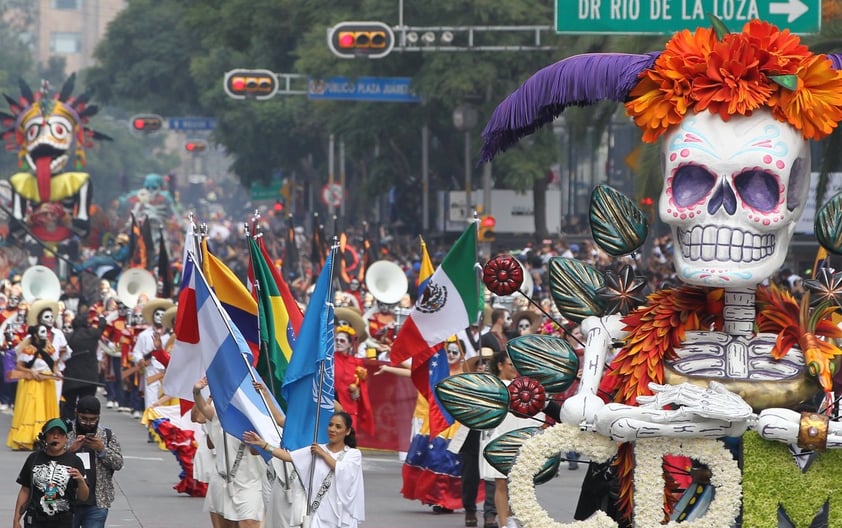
(195, 146)
(251, 84)
(147, 123)
(486, 229)
(348, 40)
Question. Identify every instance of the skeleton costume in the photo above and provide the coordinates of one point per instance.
(36, 400)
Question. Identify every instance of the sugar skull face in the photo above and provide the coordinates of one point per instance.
(42, 332)
(46, 318)
(454, 353)
(732, 194)
(342, 343)
(158, 318)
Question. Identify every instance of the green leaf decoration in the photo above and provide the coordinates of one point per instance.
(548, 359)
(476, 400)
(718, 26)
(790, 82)
(828, 225)
(617, 225)
(503, 450)
(573, 286)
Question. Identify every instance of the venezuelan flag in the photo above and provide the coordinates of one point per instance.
(235, 298)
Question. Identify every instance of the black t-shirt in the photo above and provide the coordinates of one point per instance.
(52, 490)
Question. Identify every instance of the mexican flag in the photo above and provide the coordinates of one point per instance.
(449, 304)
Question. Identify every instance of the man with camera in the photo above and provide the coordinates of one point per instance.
(100, 452)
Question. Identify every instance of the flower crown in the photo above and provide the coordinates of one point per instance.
(737, 73)
(345, 328)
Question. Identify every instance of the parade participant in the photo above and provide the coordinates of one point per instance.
(44, 312)
(115, 341)
(13, 330)
(82, 366)
(339, 499)
(36, 399)
(350, 373)
(466, 443)
(148, 341)
(237, 495)
(431, 473)
(51, 481)
(101, 455)
(380, 320)
(496, 337)
(527, 321)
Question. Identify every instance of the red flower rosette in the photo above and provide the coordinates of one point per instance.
(526, 397)
(503, 275)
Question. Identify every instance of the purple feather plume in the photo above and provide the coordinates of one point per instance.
(836, 59)
(579, 80)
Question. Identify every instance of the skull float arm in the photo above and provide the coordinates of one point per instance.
(600, 332)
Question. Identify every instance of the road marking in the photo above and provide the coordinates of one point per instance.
(142, 458)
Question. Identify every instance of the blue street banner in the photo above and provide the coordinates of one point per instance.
(372, 89)
(191, 123)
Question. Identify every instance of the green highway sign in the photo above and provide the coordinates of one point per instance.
(664, 17)
(266, 192)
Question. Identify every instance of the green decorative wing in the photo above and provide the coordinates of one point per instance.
(503, 450)
(476, 400)
(617, 225)
(550, 360)
(828, 225)
(573, 286)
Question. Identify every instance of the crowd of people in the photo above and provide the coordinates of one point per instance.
(57, 353)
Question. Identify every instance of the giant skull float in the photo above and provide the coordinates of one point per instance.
(51, 134)
(734, 112)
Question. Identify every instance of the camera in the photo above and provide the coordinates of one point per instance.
(90, 435)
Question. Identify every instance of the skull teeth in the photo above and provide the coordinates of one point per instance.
(724, 244)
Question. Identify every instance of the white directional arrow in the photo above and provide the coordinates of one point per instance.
(792, 8)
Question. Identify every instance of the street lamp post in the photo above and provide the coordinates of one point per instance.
(464, 119)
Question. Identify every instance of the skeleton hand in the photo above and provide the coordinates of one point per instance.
(779, 424)
(714, 402)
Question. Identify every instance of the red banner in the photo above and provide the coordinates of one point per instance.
(393, 401)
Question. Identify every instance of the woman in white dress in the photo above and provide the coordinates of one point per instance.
(338, 496)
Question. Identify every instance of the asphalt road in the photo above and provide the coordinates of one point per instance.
(145, 496)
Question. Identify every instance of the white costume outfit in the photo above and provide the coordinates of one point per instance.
(145, 345)
(510, 423)
(285, 508)
(343, 504)
(240, 498)
(59, 341)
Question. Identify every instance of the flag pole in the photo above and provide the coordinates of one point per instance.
(224, 315)
(321, 385)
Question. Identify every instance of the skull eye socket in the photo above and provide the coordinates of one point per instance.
(691, 184)
(758, 189)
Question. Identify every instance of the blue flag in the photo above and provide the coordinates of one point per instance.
(313, 350)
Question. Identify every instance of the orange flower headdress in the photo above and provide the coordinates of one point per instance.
(709, 69)
(736, 74)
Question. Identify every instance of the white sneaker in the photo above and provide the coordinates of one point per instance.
(136, 415)
(124, 409)
(110, 405)
(4, 406)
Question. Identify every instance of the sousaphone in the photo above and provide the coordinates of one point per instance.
(386, 281)
(40, 282)
(135, 282)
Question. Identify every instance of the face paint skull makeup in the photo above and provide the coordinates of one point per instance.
(46, 318)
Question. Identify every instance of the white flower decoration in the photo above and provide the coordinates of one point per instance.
(648, 483)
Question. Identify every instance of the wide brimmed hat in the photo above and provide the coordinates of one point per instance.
(153, 305)
(535, 318)
(168, 319)
(485, 354)
(354, 318)
(37, 307)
